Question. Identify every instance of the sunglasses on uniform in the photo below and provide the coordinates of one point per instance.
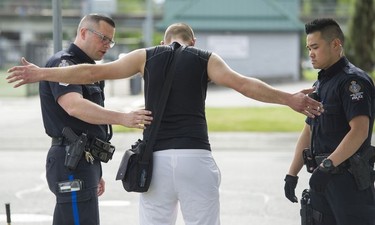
(105, 40)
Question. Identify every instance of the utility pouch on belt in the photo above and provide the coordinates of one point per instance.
(76, 148)
(309, 160)
(306, 209)
(361, 167)
(101, 150)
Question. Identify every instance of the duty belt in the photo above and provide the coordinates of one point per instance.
(59, 141)
(99, 149)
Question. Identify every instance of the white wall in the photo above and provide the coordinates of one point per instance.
(265, 55)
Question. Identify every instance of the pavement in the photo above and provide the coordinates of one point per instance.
(253, 166)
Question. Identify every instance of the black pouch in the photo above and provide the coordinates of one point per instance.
(101, 150)
(309, 160)
(361, 171)
(134, 172)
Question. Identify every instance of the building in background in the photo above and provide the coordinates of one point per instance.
(259, 38)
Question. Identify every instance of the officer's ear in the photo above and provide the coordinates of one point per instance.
(82, 33)
(337, 43)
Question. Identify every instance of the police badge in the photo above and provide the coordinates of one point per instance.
(355, 88)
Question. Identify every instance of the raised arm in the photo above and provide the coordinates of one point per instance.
(220, 73)
(125, 67)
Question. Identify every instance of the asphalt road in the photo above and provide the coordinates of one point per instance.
(253, 166)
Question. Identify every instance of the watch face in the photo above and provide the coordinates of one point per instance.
(327, 163)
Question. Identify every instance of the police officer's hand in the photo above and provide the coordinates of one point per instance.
(320, 179)
(137, 119)
(101, 187)
(290, 186)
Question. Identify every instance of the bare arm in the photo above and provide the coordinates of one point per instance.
(302, 143)
(358, 133)
(124, 67)
(220, 73)
(75, 105)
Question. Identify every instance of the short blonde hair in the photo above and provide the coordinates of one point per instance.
(179, 30)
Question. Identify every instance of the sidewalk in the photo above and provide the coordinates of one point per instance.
(252, 165)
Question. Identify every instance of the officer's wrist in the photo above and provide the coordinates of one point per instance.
(327, 166)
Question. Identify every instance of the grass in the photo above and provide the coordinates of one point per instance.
(248, 119)
(7, 90)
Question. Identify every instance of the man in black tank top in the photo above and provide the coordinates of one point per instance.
(184, 169)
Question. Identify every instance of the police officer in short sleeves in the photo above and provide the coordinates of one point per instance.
(74, 106)
(343, 131)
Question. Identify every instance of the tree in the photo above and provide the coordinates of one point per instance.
(361, 38)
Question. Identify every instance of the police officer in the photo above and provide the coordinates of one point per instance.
(341, 186)
(80, 110)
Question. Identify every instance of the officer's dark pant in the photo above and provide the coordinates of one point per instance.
(78, 207)
(343, 204)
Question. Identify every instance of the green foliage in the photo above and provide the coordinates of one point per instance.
(131, 6)
(361, 39)
(310, 74)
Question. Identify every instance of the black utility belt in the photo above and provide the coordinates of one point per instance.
(99, 149)
(94, 148)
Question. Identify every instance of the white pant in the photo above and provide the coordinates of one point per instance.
(186, 176)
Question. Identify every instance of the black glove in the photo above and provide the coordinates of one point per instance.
(290, 186)
(320, 179)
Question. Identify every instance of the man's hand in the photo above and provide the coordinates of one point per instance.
(137, 119)
(25, 74)
(101, 187)
(290, 187)
(302, 103)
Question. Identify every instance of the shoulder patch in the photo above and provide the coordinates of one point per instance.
(355, 89)
(64, 63)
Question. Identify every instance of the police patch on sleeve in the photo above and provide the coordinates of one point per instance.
(63, 63)
(355, 89)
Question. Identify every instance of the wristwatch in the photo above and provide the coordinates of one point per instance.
(328, 165)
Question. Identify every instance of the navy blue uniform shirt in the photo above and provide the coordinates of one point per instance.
(54, 116)
(346, 92)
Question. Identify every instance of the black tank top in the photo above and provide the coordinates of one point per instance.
(183, 125)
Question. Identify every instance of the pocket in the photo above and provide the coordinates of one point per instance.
(77, 196)
(93, 89)
(95, 93)
(332, 119)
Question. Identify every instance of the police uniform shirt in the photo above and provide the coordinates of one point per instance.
(345, 92)
(55, 118)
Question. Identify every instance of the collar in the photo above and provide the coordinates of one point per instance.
(81, 55)
(334, 69)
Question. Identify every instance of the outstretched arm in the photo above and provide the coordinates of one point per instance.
(124, 67)
(75, 105)
(220, 73)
